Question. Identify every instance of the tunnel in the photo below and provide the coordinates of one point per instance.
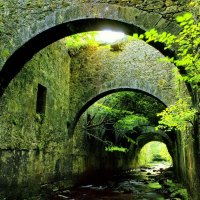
(46, 88)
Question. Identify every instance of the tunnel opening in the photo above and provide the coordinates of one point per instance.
(113, 127)
(121, 117)
(137, 160)
(51, 34)
(154, 154)
(116, 142)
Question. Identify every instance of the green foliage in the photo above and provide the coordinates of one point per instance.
(121, 104)
(81, 40)
(109, 39)
(186, 44)
(111, 112)
(120, 117)
(177, 190)
(177, 116)
(116, 148)
(130, 140)
(155, 185)
(130, 122)
(127, 110)
(123, 121)
(180, 193)
(5, 53)
(153, 151)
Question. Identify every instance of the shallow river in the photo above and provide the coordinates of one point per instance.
(140, 184)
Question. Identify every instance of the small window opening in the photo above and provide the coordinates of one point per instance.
(41, 99)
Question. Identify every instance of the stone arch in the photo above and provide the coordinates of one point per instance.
(151, 134)
(155, 137)
(70, 20)
(113, 88)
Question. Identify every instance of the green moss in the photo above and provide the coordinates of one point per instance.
(176, 189)
(155, 185)
(35, 145)
(180, 193)
(5, 53)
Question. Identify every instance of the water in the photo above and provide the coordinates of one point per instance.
(140, 184)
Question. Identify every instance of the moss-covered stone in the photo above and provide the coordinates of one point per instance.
(28, 141)
(33, 146)
(134, 66)
(29, 18)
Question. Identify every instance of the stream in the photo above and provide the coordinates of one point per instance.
(137, 184)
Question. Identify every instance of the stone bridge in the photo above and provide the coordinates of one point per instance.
(32, 26)
(135, 67)
(44, 89)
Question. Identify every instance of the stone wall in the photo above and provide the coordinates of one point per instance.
(39, 23)
(49, 68)
(135, 65)
(34, 147)
(187, 169)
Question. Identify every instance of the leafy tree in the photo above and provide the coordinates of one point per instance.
(177, 116)
(128, 123)
(187, 61)
(186, 44)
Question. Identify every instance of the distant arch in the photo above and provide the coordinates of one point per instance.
(104, 92)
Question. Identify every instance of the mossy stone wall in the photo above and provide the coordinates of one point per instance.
(134, 65)
(44, 143)
(186, 163)
(30, 23)
(35, 148)
(98, 69)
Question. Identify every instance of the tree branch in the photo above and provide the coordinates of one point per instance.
(97, 138)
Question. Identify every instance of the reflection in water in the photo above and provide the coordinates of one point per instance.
(140, 184)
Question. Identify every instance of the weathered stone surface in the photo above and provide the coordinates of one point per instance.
(18, 105)
(28, 19)
(35, 151)
(33, 146)
(135, 67)
(23, 171)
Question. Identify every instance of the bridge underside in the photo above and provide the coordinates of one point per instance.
(45, 90)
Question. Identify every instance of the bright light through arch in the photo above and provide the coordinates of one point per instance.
(109, 36)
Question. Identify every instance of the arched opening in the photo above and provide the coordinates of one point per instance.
(65, 23)
(136, 101)
(119, 121)
(154, 153)
(110, 92)
(104, 124)
(25, 52)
